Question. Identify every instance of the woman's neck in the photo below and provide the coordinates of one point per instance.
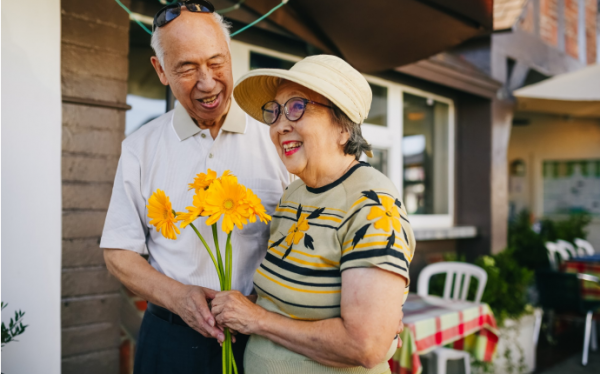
(327, 172)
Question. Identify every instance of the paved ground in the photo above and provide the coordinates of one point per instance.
(573, 365)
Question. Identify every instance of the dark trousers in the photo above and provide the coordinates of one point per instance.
(164, 347)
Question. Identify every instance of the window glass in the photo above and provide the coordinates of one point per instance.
(260, 61)
(379, 160)
(425, 154)
(378, 112)
(145, 93)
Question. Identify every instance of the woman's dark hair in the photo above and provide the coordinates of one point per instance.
(356, 144)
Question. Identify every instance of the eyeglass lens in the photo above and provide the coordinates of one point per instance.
(270, 112)
(195, 7)
(294, 109)
(171, 12)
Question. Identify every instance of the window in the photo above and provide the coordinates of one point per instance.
(378, 112)
(425, 155)
(145, 93)
(261, 61)
(379, 160)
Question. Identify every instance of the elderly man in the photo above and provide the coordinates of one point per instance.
(206, 130)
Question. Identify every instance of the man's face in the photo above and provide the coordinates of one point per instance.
(197, 66)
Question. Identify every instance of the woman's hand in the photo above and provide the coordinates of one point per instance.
(400, 329)
(237, 312)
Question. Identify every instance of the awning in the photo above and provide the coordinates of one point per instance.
(576, 94)
(377, 35)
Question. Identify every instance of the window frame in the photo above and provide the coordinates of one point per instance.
(382, 137)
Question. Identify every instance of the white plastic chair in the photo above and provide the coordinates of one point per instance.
(553, 249)
(460, 274)
(568, 247)
(584, 247)
(451, 269)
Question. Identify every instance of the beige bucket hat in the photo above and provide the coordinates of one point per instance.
(327, 75)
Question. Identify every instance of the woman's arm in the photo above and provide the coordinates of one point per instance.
(370, 309)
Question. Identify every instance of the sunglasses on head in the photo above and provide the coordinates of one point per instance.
(293, 108)
(172, 11)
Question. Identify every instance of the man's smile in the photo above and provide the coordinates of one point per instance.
(210, 102)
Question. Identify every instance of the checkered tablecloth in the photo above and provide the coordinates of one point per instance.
(589, 290)
(431, 322)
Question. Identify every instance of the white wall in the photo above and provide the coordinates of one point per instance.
(31, 186)
(552, 138)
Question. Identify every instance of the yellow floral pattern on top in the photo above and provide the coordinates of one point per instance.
(295, 233)
(387, 217)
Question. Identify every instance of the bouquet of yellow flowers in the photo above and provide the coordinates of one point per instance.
(214, 198)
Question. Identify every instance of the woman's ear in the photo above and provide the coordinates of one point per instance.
(344, 137)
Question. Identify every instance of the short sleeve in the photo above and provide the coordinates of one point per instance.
(125, 227)
(376, 233)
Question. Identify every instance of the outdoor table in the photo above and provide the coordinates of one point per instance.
(587, 265)
(431, 322)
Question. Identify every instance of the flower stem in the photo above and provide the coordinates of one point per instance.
(228, 275)
(212, 257)
(235, 370)
(219, 259)
(228, 260)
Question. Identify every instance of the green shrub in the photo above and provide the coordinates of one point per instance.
(506, 287)
(530, 246)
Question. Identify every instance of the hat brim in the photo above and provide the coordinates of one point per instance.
(259, 86)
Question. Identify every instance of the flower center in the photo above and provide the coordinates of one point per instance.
(228, 204)
(389, 214)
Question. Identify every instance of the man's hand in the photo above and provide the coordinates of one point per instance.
(190, 304)
(400, 329)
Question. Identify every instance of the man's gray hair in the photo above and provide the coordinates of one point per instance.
(158, 49)
(356, 144)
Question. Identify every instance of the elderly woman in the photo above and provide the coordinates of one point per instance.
(331, 288)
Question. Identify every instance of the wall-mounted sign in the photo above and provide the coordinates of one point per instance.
(571, 186)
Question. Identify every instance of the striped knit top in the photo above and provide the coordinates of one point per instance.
(357, 221)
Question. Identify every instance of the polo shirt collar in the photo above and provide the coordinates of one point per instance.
(185, 127)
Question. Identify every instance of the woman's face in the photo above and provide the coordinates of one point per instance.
(306, 146)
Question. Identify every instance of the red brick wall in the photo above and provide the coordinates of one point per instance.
(549, 25)
(591, 9)
(549, 21)
(571, 23)
(527, 21)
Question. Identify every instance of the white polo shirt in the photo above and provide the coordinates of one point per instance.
(166, 154)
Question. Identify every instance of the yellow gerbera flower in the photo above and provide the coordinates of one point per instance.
(226, 197)
(161, 213)
(255, 208)
(203, 181)
(388, 216)
(227, 175)
(295, 233)
(193, 211)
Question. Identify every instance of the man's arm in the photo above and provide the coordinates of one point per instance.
(189, 302)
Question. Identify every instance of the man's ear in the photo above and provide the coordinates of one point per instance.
(159, 70)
